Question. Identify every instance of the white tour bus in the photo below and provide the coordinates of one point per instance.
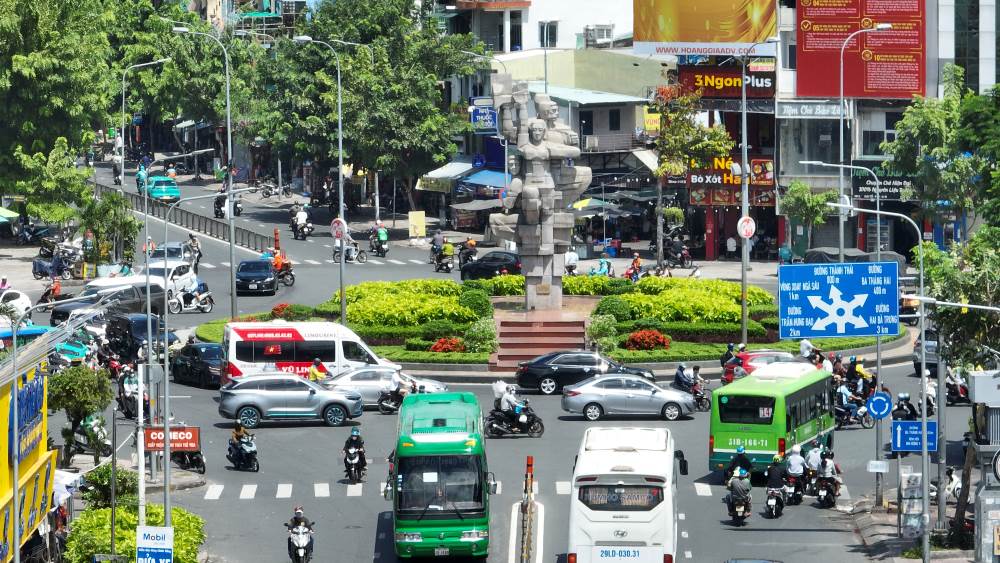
(623, 508)
(261, 347)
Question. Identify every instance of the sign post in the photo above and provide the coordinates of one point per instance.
(154, 544)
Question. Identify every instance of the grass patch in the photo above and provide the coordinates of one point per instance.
(401, 354)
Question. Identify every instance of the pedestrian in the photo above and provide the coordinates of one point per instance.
(195, 250)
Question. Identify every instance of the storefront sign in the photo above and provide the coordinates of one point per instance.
(877, 64)
(30, 402)
(182, 438)
(808, 110)
(720, 174)
(705, 27)
(154, 544)
(650, 121)
(726, 82)
(894, 186)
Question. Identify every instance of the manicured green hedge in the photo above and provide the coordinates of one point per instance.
(696, 332)
(401, 354)
(683, 305)
(615, 306)
(758, 312)
(418, 344)
(725, 289)
(212, 330)
(402, 303)
(770, 323)
(477, 301)
(386, 335)
(596, 285)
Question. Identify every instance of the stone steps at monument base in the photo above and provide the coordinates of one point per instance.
(549, 342)
(514, 324)
(523, 340)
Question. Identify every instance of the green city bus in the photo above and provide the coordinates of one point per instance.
(438, 480)
(768, 412)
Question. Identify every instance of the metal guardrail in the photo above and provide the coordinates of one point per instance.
(210, 226)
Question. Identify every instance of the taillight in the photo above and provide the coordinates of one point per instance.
(569, 393)
(570, 558)
(518, 266)
(781, 447)
(668, 559)
(711, 444)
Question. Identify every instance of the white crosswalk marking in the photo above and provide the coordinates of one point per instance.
(398, 262)
(381, 486)
(563, 487)
(327, 246)
(681, 516)
(684, 533)
(331, 261)
(499, 487)
(844, 493)
(534, 487)
(214, 492)
(313, 262)
(321, 490)
(412, 261)
(284, 490)
(225, 264)
(262, 225)
(354, 490)
(206, 265)
(371, 261)
(703, 489)
(687, 555)
(248, 492)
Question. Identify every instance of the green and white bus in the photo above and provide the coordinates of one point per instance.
(769, 411)
(438, 480)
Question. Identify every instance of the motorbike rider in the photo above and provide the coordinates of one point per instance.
(814, 456)
(739, 461)
(195, 249)
(776, 475)
(299, 519)
(355, 441)
(739, 489)
(468, 251)
(347, 245)
(128, 383)
(953, 379)
(301, 218)
(316, 371)
(603, 267)
(806, 349)
(727, 355)
(635, 267)
(446, 252)
(509, 406)
(682, 380)
(239, 433)
(437, 241)
(847, 399)
(904, 409)
(382, 235)
(795, 465)
(827, 472)
(4, 284)
(828, 363)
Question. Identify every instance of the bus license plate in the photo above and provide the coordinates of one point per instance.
(441, 552)
(626, 554)
(253, 286)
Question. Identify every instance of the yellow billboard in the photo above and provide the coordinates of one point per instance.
(703, 27)
(37, 464)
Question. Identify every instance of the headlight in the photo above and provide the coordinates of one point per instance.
(410, 537)
(270, 279)
(473, 535)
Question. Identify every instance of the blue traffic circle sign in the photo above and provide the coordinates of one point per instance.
(879, 405)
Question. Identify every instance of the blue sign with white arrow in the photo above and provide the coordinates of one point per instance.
(879, 405)
(907, 435)
(841, 299)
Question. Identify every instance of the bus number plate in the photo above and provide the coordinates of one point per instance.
(441, 551)
(623, 554)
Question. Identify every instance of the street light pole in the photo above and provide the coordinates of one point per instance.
(924, 462)
(843, 115)
(340, 167)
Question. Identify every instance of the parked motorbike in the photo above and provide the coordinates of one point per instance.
(303, 231)
(56, 268)
(498, 424)
(844, 418)
(32, 234)
(189, 460)
(352, 459)
(301, 543)
(186, 302)
(775, 503)
(825, 494)
(243, 455)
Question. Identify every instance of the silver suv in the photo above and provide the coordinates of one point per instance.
(284, 396)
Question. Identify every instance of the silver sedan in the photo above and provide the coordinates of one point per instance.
(370, 381)
(628, 395)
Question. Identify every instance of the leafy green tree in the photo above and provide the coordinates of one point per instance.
(802, 205)
(114, 227)
(79, 392)
(53, 186)
(98, 492)
(683, 142)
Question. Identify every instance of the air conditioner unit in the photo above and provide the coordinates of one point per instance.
(591, 142)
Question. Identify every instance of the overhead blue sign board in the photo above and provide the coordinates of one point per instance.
(879, 405)
(840, 299)
(907, 435)
(484, 120)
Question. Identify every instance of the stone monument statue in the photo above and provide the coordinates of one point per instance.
(544, 183)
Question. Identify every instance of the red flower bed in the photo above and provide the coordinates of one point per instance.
(647, 340)
(278, 311)
(448, 345)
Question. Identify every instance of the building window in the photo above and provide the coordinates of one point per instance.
(615, 120)
(877, 128)
(967, 40)
(810, 139)
(548, 34)
(788, 50)
(515, 31)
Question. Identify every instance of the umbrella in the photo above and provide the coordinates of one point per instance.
(589, 203)
(8, 214)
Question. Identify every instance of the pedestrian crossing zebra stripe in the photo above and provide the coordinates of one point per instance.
(206, 265)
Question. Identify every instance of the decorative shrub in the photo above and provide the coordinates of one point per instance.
(97, 494)
(720, 288)
(696, 331)
(422, 286)
(508, 285)
(91, 532)
(478, 302)
(387, 335)
(619, 286)
(418, 344)
(486, 286)
(602, 330)
(615, 306)
(770, 323)
(481, 336)
(401, 355)
(432, 330)
(682, 305)
(407, 309)
(758, 312)
(448, 345)
(293, 312)
(647, 340)
(278, 311)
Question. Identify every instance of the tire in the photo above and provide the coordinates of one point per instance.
(362, 257)
(867, 421)
(433, 257)
(536, 429)
(385, 408)
(593, 412)
(174, 307)
(491, 431)
(288, 279)
(671, 411)
(67, 274)
(704, 405)
(334, 415)
(249, 417)
(38, 276)
(206, 306)
(548, 386)
(201, 467)
(254, 465)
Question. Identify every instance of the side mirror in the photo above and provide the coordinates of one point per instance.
(312, 391)
(682, 463)
(492, 484)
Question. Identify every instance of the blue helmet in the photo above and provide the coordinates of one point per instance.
(355, 431)
(730, 347)
(853, 359)
(740, 449)
(743, 472)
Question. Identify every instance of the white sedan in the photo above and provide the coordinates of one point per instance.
(370, 381)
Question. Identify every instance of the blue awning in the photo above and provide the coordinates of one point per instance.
(490, 178)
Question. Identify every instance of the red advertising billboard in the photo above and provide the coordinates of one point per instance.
(182, 438)
(877, 64)
(725, 82)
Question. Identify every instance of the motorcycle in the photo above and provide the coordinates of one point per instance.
(389, 401)
(498, 424)
(359, 256)
(286, 275)
(466, 254)
(301, 543)
(444, 263)
(702, 398)
(825, 494)
(739, 510)
(844, 418)
(930, 405)
(680, 259)
(957, 393)
(31, 234)
(220, 212)
(303, 231)
(128, 393)
(352, 458)
(89, 435)
(186, 302)
(377, 247)
(189, 460)
(243, 455)
(268, 189)
(793, 489)
(47, 296)
(775, 503)
(43, 269)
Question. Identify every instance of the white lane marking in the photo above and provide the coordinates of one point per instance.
(321, 490)
(703, 489)
(563, 487)
(225, 264)
(354, 490)
(381, 487)
(540, 518)
(180, 396)
(681, 516)
(284, 490)
(202, 206)
(248, 492)
(512, 538)
(327, 246)
(313, 262)
(214, 492)
(206, 265)
(687, 555)
(499, 487)
(398, 262)
(684, 533)
(371, 261)
(534, 487)
(262, 225)
(412, 261)
(844, 493)
(331, 261)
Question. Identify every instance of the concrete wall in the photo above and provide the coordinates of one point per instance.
(573, 16)
(590, 69)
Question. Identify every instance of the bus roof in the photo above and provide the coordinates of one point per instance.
(779, 378)
(440, 423)
(623, 451)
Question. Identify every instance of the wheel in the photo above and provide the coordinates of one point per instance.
(671, 411)
(249, 417)
(336, 256)
(255, 465)
(548, 386)
(67, 274)
(174, 307)
(867, 421)
(536, 429)
(334, 415)
(201, 466)
(433, 257)
(288, 279)
(106, 450)
(385, 407)
(593, 412)
(491, 430)
(704, 405)
(362, 257)
(38, 276)
(206, 306)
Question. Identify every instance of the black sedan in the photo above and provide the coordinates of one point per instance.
(198, 364)
(256, 276)
(551, 372)
(492, 264)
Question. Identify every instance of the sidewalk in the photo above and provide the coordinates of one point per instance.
(16, 262)
(179, 479)
(877, 530)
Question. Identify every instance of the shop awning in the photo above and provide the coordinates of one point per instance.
(184, 124)
(478, 205)
(649, 158)
(8, 214)
(443, 179)
(490, 178)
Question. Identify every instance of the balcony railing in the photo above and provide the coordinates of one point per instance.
(612, 142)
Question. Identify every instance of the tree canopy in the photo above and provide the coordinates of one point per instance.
(808, 208)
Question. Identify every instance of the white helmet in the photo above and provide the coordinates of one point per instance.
(796, 449)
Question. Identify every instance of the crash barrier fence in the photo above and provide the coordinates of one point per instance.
(209, 226)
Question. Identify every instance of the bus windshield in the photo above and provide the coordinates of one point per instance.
(440, 486)
(744, 409)
(621, 498)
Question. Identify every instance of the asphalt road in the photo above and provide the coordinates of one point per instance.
(301, 465)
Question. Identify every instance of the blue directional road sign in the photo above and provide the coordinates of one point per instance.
(484, 120)
(907, 434)
(879, 405)
(841, 299)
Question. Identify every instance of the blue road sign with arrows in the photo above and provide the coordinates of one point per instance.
(849, 299)
(879, 405)
(907, 435)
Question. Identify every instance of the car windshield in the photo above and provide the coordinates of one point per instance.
(158, 272)
(211, 352)
(170, 252)
(254, 266)
(139, 326)
(438, 485)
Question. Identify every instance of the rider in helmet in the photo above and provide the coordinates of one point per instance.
(511, 407)
(776, 474)
(316, 371)
(739, 461)
(727, 355)
(299, 519)
(739, 487)
(355, 441)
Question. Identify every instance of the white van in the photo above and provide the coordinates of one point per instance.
(261, 347)
(623, 508)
